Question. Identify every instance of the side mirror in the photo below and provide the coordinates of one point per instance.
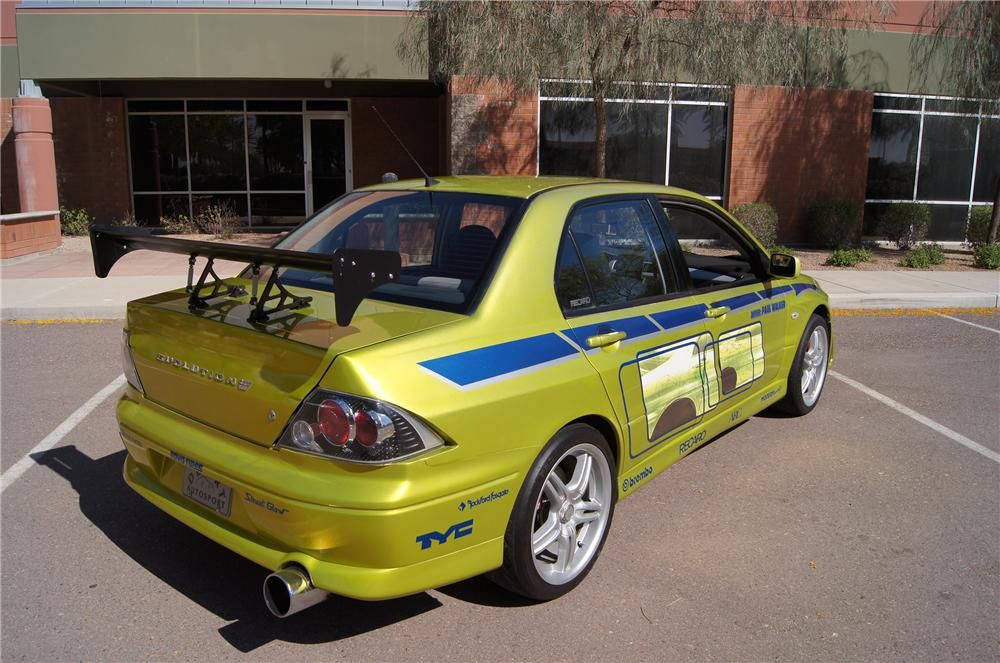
(784, 265)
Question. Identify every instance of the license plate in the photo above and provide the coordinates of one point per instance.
(213, 494)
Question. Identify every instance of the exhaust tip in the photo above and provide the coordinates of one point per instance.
(290, 590)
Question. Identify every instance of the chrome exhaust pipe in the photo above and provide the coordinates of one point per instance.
(289, 590)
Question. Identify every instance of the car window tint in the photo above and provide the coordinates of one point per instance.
(572, 288)
(615, 241)
(712, 254)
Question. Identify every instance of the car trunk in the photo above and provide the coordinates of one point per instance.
(213, 366)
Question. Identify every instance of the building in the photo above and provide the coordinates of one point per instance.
(161, 108)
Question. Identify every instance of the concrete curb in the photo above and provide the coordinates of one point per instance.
(67, 313)
(905, 300)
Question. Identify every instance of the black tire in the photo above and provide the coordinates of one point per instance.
(518, 573)
(793, 403)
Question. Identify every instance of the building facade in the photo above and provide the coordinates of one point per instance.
(266, 108)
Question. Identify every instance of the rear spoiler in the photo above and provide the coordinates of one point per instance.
(355, 272)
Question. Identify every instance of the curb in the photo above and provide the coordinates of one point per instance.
(905, 300)
(67, 313)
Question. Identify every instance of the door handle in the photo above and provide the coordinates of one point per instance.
(717, 312)
(605, 339)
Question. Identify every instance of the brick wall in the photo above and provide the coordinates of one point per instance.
(417, 122)
(9, 203)
(492, 131)
(792, 147)
(91, 155)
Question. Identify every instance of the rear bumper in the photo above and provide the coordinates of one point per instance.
(365, 553)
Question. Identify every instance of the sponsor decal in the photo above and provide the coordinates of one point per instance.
(240, 383)
(483, 499)
(691, 443)
(767, 308)
(737, 414)
(769, 395)
(187, 462)
(456, 531)
(264, 504)
(631, 482)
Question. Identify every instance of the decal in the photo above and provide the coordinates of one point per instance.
(691, 443)
(803, 287)
(482, 499)
(767, 308)
(264, 504)
(493, 363)
(769, 395)
(187, 462)
(735, 414)
(632, 481)
(583, 301)
(456, 531)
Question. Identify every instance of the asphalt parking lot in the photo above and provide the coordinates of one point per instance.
(856, 532)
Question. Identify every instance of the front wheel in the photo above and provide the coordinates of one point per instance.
(808, 373)
(561, 518)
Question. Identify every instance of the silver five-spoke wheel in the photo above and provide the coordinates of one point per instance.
(814, 364)
(571, 514)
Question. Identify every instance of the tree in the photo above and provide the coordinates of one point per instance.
(615, 49)
(962, 48)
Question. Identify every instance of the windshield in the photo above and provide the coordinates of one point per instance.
(447, 242)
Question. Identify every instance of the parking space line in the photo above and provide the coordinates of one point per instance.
(916, 416)
(63, 429)
(966, 322)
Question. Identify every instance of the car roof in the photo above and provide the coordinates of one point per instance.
(524, 186)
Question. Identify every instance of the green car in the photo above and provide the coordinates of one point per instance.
(427, 381)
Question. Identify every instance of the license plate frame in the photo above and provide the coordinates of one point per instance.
(208, 492)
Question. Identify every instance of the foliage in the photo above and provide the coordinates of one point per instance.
(179, 224)
(849, 257)
(979, 225)
(760, 219)
(833, 222)
(616, 49)
(905, 224)
(74, 222)
(924, 256)
(962, 49)
(987, 256)
(778, 248)
(219, 220)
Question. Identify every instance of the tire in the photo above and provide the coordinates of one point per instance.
(555, 506)
(800, 398)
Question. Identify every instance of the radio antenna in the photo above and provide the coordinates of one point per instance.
(428, 180)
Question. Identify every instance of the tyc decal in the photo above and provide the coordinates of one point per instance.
(457, 531)
(482, 499)
(631, 482)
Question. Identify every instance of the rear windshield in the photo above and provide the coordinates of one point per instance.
(447, 242)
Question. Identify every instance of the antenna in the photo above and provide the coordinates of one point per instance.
(428, 180)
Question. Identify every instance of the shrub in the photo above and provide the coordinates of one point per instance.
(979, 225)
(987, 256)
(924, 256)
(179, 224)
(905, 224)
(760, 219)
(849, 257)
(778, 248)
(74, 221)
(218, 220)
(833, 222)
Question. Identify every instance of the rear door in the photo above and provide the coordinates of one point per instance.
(625, 307)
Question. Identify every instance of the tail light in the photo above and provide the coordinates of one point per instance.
(128, 366)
(356, 429)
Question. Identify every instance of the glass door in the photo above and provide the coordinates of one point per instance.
(327, 157)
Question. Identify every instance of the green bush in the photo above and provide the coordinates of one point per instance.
(905, 224)
(833, 223)
(179, 224)
(74, 221)
(218, 220)
(979, 225)
(778, 248)
(760, 219)
(987, 256)
(924, 256)
(849, 257)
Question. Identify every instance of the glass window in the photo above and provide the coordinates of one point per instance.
(159, 161)
(326, 104)
(218, 159)
(616, 241)
(892, 155)
(195, 105)
(150, 209)
(155, 105)
(275, 145)
(948, 222)
(275, 209)
(280, 105)
(566, 138)
(946, 158)
(572, 288)
(896, 103)
(712, 253)
(210, 206)
(698, 148)
(967, 106)
(988, 160)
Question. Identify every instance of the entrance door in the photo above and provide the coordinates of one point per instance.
(328, 158)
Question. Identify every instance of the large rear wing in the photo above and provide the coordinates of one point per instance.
(355, 272)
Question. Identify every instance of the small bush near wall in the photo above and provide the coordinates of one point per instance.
(987, 256)
(778, 248)
(924, 256)
(759, 218)
(849, 257)
(905, 224)
(74, 222)
(979, 225)
(833, 222)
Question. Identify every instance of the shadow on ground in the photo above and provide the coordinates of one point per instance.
(208, 574)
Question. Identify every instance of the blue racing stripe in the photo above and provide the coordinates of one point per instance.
(679, 317)
(802, 287)
(633, 328)
(776, 291)
(739, 301)
(492, 361)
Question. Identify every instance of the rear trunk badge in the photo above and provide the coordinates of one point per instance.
(240, 383)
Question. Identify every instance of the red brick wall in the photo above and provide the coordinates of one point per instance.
(9, 203)
(374, 151)
(492, 130)
(792, 147)
(91, 155)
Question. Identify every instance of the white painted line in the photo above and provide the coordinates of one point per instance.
(52, 439)
(916, 416)
(966, 322)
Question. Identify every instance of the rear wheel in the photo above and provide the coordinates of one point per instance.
(808, 373)
(561, 518)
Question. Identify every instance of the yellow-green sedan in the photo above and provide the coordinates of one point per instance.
(427, 381)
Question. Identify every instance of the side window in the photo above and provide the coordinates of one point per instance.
(712, 254)
(618, 251)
